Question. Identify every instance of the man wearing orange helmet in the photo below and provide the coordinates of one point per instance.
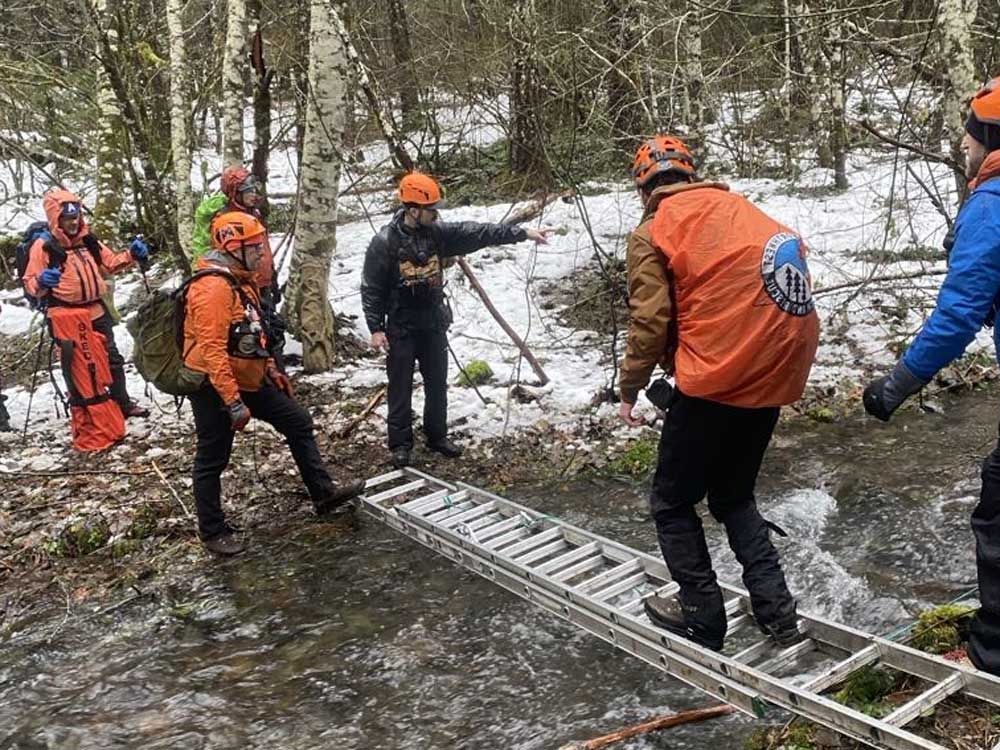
(969, 299)
(224, 340)
(402, 293)
(719, 296)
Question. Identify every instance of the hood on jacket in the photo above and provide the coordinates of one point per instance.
(989, 169)
(232, 178)
(219, 259)
(53, 202)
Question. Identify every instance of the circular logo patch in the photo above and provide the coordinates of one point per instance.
(786, 276)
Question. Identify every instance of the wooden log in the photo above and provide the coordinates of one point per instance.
(664, 722)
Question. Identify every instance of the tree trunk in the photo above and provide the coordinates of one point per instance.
(307, 302)
(694, 79)
(838, 116)
(624, 84)
(110, 182)
(955, 19)
(300, 77)
(808, 80)
(406, 77)
(233, 88)
(261, 99)
(180, 122)
(526, 151)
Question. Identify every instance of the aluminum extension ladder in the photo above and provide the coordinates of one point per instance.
(599, 585)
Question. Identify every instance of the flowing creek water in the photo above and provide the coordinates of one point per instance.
(361, 638)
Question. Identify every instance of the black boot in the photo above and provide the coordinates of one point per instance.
(697, 621)
(132, 409)
(773, 604)
(401, 456)
(445, 447)
(338, 497)
(226, 543)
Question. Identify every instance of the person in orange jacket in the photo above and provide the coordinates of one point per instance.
(224, 339)
(66, 267)
(719, 295)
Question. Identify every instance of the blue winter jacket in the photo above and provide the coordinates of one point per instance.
(971, 289)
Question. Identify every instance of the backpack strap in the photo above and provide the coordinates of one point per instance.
(180, 300)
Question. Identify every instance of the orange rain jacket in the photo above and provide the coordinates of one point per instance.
(739, 294)
(82, 281)
(212, 307)
(232, 178)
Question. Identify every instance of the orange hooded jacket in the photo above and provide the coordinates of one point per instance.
(212, 307)
(747, 329)
(232, 178)
(82, 283)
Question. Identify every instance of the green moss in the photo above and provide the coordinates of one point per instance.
(124, 547)
(80, 538)
(799, 735)
(822, 414)
(637, 460)
(941, 629)
(476, 372)
(866, 690)
(144, 520)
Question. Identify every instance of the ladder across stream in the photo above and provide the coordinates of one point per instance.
(599, 585)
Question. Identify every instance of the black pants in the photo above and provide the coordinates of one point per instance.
(215, 444)
(430, 349)
(713, 449)
(984, 640)
(104, 325)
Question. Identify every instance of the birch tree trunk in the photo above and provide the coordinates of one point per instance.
(694, 78)
(233, 88)
(955, 19)
(180, 123)
(307, 304)
(836, 80)
(110, 182)
(809, 77)
(624, 85)
(526, 152)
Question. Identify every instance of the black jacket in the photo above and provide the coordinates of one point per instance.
(402, 284)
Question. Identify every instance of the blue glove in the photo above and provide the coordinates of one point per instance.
(50, 277)
(139, 249)
(883, 396)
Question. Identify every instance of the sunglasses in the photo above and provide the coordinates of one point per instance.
(251, 185)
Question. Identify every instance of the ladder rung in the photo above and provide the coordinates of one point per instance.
(439, 503)
(517, 533)
(572, 556)
(584, 566)
(396, 491)
(754, 651)
(621, 587)
(787, 656)
(453, 510)
(841, 670)
(926, 700)
(734, 605)
(613, 574)
(487, 521)
(542, 552)
(383, 478)
(533, 541)
(413, 506)
(501, 527)
(470, 515)
(634, 607)
(735, 623)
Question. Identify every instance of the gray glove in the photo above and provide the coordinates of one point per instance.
(886, 394)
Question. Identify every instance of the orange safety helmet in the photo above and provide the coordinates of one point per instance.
(234, 229)
(986, 103)
(661, 153)
(419, 189)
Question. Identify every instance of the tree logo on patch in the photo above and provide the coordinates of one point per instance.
(786, 276)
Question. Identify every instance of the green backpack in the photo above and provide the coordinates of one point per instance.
(201, 240)
(157, 329)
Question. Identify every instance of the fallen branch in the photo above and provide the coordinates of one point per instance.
(664, 722)
(929, 155)
(172, 490)
(372, 403)
(59, 473)
(877, 279)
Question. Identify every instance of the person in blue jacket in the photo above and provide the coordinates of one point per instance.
(968, 300)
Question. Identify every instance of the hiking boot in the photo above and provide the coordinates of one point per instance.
(225, 543)
(784, 633)
(669, 614)
(133, 409)
(400, 456)
(338, 497)
(445, 447)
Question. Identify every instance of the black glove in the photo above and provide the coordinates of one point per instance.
(886, 394)
(239, 415)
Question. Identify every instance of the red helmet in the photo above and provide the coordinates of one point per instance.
(661, 153)
(418, 189)
(986, 103)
